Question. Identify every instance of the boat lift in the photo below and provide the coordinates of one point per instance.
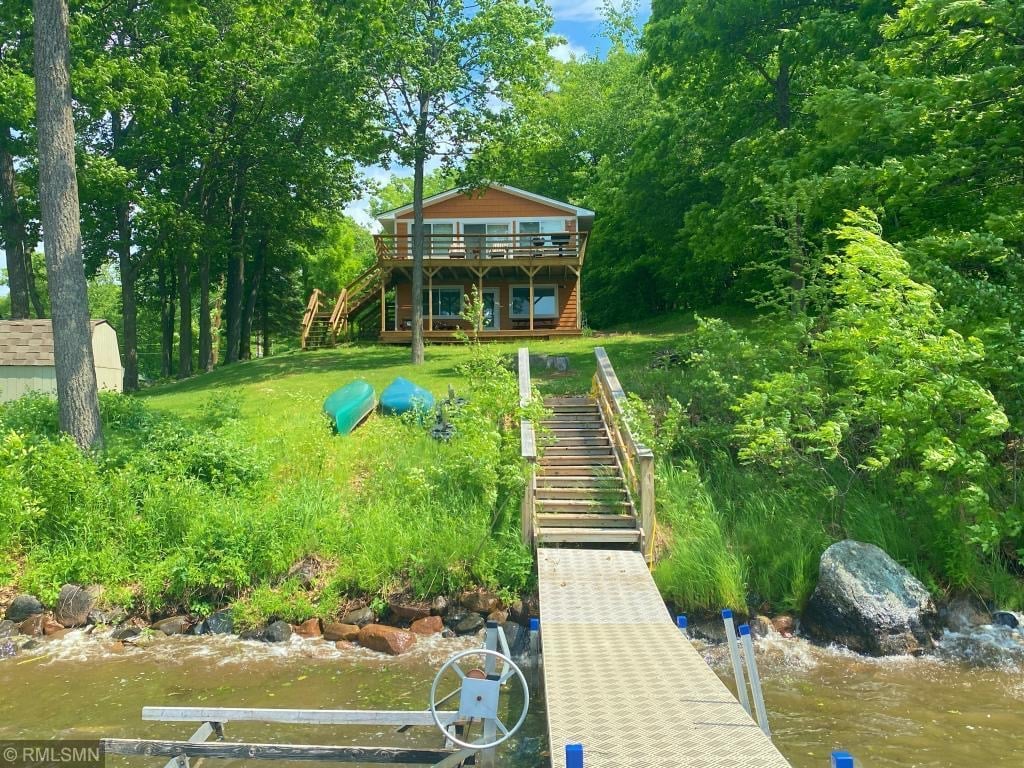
(478, 694)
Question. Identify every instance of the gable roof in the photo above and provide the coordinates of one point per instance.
(582, 213)
(29, 342)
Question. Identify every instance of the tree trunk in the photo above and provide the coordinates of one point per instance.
(167, 303)
(62, 235)
(782, 83)
(13, 230)
(33, 292)
(236, 274)
(185, 315)
(417, 233)
(129, 307)
(205, 325)
(255, 278)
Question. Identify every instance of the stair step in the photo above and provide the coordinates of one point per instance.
(573, 424)
(586, 521)
(606, 463)
(558, 492)
(589, 506)
(593, 441)
(567, 400)
(603, 481)
(578, 450)
(574, 432)
(588, 536)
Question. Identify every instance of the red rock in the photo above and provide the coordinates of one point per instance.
(385, 639)
(784, 625)
(51, 627)
(499, 616)
(481, 601)
(344, 645)
(402, 611)
(337, 631)
(429, 625)
(32, 626)
(308, 628)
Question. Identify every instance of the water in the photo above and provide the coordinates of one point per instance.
(912, 713)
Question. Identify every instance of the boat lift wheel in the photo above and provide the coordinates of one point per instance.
(479, 698)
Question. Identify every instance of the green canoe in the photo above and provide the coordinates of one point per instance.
(348, 406)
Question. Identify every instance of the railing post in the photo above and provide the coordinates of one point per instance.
(646, 469)
(528, 442)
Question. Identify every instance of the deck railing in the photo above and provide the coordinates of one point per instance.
(637, 460)
(309, 318)
(571, 245)
(528, 440)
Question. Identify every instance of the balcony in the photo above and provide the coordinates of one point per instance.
(546, 248)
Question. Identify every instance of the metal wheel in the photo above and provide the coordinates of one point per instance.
(479, 698)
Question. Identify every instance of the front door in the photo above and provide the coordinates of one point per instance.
(492, 321)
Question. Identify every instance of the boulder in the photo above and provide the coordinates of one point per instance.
(28, 645)
(499, 616)
(868, 602)
(305, 572)
(107, 617)
(784, 625)
(428, 625)
(32, 626)
(1007, 619)
(385, 639)
(73, 606)
(470, 625)
(360, 617)
(407, 612)
(277, 632)
(481, 601)
(8, 628)
(173, 625)
(336, 631)
(524, 610)
(308, 628)
(22, 607)
(220, 622)
(125, 633)
(454, 616)
(518, 638)
(253, 633)
(964, 612)
(761, 626)
(51, 627)
(439, 607)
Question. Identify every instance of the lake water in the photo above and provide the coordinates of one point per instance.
(923, 713)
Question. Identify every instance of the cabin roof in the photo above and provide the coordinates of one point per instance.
(581, 213)
(30, 342)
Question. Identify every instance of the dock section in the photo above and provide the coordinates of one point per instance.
(621, 679)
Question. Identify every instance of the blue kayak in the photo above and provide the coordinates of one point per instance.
(348, 406)
(402, 396)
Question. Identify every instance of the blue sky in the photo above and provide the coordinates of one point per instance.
(578, 21)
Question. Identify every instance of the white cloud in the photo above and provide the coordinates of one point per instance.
(579, 10)
(568, 51)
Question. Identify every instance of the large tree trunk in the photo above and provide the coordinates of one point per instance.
(236, 273)
(62, 235)
(205, 325)
(417, 234)
(185, 315)
(13, 230)
(255, 279)
(167, 302)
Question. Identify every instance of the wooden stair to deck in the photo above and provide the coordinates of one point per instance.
(321, 328)
(580, 496)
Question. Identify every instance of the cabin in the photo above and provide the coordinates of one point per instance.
(522, 252)
(26, 358)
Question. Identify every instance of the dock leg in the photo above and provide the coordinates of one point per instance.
(734, 655)
(755, 679)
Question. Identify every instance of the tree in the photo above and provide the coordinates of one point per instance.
(62, 235)
(443, 72)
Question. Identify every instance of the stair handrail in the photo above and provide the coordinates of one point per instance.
(528, 442)
(636, 459)
(340, 310)
(309, 318)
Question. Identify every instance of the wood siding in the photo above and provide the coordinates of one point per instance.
(492, 204)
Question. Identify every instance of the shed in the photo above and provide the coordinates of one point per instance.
(26, 358)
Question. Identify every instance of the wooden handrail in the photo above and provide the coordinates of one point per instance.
(309, 318)
(510, 245)
(528, 441)
(636, 459)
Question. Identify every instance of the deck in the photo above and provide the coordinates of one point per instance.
(451, 336)
(621, 680)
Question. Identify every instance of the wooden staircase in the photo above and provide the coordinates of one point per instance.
(591, 483)
(321, 328)
(580, 496)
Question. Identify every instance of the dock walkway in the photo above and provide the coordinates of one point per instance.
(623, 681)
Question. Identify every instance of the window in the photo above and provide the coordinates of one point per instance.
(484, 240)
(545, 301)
(532, 231)
(439, 238)
(447, 302)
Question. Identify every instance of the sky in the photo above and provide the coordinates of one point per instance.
(578, 21)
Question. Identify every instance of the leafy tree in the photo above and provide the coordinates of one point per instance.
(443, 71)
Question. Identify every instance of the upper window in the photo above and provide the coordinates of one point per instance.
(439, 237)
(545, 301)
(531, 232)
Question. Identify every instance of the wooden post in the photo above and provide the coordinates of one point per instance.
(531, 300)
(383, 306)
(480, 298)
(646, 470)
(430, 300)
(579, 301)
(528, 440)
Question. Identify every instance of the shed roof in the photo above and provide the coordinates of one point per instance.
(29, 342)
